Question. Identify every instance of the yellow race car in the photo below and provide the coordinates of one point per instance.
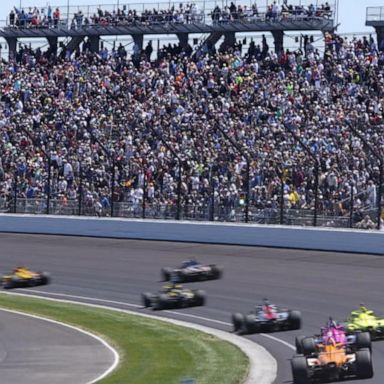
(331, 361)
(365, 320)
(22, 277)
(174, 296)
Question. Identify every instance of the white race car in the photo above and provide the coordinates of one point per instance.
(192, 270)
(266, 318)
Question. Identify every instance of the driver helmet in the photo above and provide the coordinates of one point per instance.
(332, 323)
(363, 308)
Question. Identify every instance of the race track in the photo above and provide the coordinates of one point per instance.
(36, 351)
(116, 272)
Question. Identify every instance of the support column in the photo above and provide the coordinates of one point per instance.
(12, 46)
(229, 39)
(52, 41)
(94, 43)
(139, 41)
(278, 36)
(183, 39)
(74, 43)
(380, 37)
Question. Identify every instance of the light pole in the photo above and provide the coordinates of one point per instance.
(247, 158)
(380, 160)
(180, 167)
(48, 157)
(316, 167)
(68, 22)
(111, 156)
(337, 12)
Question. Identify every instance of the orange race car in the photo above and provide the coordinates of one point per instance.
(23, 277)
(331, 362)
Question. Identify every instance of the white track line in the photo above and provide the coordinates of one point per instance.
(276, 339)
(290, 346)
(263, 367)
(116, 357)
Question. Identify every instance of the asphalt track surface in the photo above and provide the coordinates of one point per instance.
(116, 272)
(36, 351)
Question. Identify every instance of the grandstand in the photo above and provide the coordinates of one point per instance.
(164, 18)
(272, 136)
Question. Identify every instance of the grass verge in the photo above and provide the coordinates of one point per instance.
(150, 351)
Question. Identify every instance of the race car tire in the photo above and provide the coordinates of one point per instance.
(200, 297)
(183, 277)
(146, 299)
(216, 272)
(294, 320)
(166, 274)
(299, 344)
(14, 282)
(237, 321)
(363, 340)
(299, 370)
(8, 285)
(45, 278)
(364, 369)
(162, 302)
(250, 324)
(308, 346)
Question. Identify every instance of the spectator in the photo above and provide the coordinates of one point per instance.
(90, 112)
(366, 223)
(56, 17)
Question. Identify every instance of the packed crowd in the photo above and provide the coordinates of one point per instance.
(273, 12)
(152, 119)
(184, 13)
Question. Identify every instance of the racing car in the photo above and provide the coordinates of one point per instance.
(266, 318)
(192, 270)
(331, 362)
(174, 296)
(365, 320)
(333, 332)
(22, 277)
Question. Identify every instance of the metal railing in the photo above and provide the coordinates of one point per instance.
(203, 12)
(375, 14)
(235, 213)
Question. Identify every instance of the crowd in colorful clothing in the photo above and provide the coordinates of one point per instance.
(182, 13)
(152, 118)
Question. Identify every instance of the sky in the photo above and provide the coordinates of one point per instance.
(352, 13)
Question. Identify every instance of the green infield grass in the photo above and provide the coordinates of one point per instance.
(151, 351)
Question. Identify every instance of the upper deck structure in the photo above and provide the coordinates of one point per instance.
(138, 20)
(375, 19)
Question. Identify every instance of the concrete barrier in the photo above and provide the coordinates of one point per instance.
(326, 239)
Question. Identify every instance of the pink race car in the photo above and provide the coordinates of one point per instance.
(332, 333)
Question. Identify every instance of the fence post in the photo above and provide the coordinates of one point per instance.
(179, 192)
(211, 197)
(379, 197)
(80, 188)
(247, 192)
(144, 194)
(282, 182)
(113, 183)
(351, 207)
(316, 193)
(15, 193)
(49, 185)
